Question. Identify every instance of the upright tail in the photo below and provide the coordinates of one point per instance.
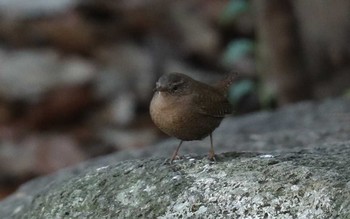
(225, 83)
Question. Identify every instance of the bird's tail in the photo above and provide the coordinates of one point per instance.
(224, 84)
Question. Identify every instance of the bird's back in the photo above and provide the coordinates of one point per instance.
(210, 101)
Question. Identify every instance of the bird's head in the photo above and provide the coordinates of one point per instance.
(174, 84)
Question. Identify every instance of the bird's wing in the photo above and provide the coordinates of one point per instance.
(211, 102)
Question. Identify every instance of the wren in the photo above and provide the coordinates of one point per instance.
(188, 109)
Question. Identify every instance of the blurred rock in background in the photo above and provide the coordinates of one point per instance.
(76, 77)
(303, 48)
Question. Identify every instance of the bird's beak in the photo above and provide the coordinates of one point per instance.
(159, 87)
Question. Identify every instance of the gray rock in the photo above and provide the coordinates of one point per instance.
(28, 75)
(307, 184)
(301, 171)
(24, 9)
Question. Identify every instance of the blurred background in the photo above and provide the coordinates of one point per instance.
(76, 76)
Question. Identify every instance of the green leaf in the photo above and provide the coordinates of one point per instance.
(236, 50)
(239, 90)
(233, 10)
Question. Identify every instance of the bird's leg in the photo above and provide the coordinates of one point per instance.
(211, 151)
(175, 152)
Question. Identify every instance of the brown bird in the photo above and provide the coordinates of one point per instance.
(189, 109)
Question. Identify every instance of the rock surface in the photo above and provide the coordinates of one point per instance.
(305, 174)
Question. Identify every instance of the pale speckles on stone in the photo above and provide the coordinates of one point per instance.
(294, 188)
(206, 168)
(266, 156)
(348, 185)
(202, 209)
(102, 168)
(243, 187)
(240, 195)
(188, 156)
(76, 192)
(17, 209)
(126, 198)
(186, 209)
(149, 188)
(176, 178)
(180, 206)
(77, 201)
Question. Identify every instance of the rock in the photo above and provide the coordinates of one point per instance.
(37, 155)
(301, 171)
(122, 74)
(126, 139)
(306, 184)
(24, 9)
(197, 36)
(29, 74)
(122, 109)
(60, 106)
(68, 34)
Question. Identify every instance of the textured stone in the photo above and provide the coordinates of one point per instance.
(301, 171)
(305, 184)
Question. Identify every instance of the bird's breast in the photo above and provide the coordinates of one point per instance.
(167, 110)
(176, 117)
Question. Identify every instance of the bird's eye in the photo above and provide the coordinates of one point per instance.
(175, 88)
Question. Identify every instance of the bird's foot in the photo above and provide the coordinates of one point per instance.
(211, 157)
(171, 160)
(166, 161)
